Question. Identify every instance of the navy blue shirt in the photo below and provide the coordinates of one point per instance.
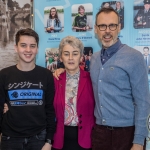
(109, 52)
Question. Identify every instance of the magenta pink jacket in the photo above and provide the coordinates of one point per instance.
(85, 110)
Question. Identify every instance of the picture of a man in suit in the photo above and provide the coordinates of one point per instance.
(147, 57)
(142, 18)
(120, 11)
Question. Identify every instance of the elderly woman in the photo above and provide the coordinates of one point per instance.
(74, 100)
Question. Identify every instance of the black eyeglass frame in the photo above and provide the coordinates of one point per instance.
(107, 26)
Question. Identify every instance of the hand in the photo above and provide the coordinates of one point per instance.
(48, 29)
(57, 73)
(52, 28)
(87, 27)
(47, 146)
(84, 28)
(137, 147)
(139, 18)
(144, 23)
(5, 108)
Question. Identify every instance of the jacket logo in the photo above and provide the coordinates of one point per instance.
(111, 68)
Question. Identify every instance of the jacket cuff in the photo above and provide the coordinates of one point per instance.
(138, 139)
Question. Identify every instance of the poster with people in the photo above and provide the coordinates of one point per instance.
(82, 16)
(54, 19)
(14, 15)
(77, 18)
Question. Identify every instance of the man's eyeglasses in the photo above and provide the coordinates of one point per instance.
(103, 27)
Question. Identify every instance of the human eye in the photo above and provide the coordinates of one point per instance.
(75, 54)
(102, 26)
(23, 45)
(66, 54)
(32, 46)
(113, 25)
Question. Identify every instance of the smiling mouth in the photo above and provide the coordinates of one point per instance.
(107, 37)
(28, 55)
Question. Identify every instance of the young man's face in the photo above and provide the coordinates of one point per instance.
(107, 37)
(81, 11)
(26, 49)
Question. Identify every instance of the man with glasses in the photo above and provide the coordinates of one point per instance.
(120, 86)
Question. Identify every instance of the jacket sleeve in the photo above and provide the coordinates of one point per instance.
(50, 112)
(141, 98)
(135, 18)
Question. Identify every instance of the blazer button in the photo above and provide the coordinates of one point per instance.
(80, 127)
(80, 121)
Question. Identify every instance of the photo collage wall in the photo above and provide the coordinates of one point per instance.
(135, 29)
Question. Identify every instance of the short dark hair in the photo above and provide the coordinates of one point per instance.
(106, 10)
(28, 32)
(146, 48)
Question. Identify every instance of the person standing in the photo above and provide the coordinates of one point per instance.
(147, 58)
(80, 21)
(74, 100)
(142, 18)
(120, 11)
(120, 84)
(53, 22)
(28, 90)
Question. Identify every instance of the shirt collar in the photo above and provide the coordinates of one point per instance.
(112, 49)
(75, 76)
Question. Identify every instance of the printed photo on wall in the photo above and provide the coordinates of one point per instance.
(145, 50)
(14, 15)
(82, 16)
(54, 19)
(85, 61)
(119, 7)
(52, 61)
(141, 14)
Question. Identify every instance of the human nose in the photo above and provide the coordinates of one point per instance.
(70, 56)
(28, 49)
(107, 29)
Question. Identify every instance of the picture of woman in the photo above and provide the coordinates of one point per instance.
(53, 22)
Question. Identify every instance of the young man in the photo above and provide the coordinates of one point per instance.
(28, 90)
(80, 21)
